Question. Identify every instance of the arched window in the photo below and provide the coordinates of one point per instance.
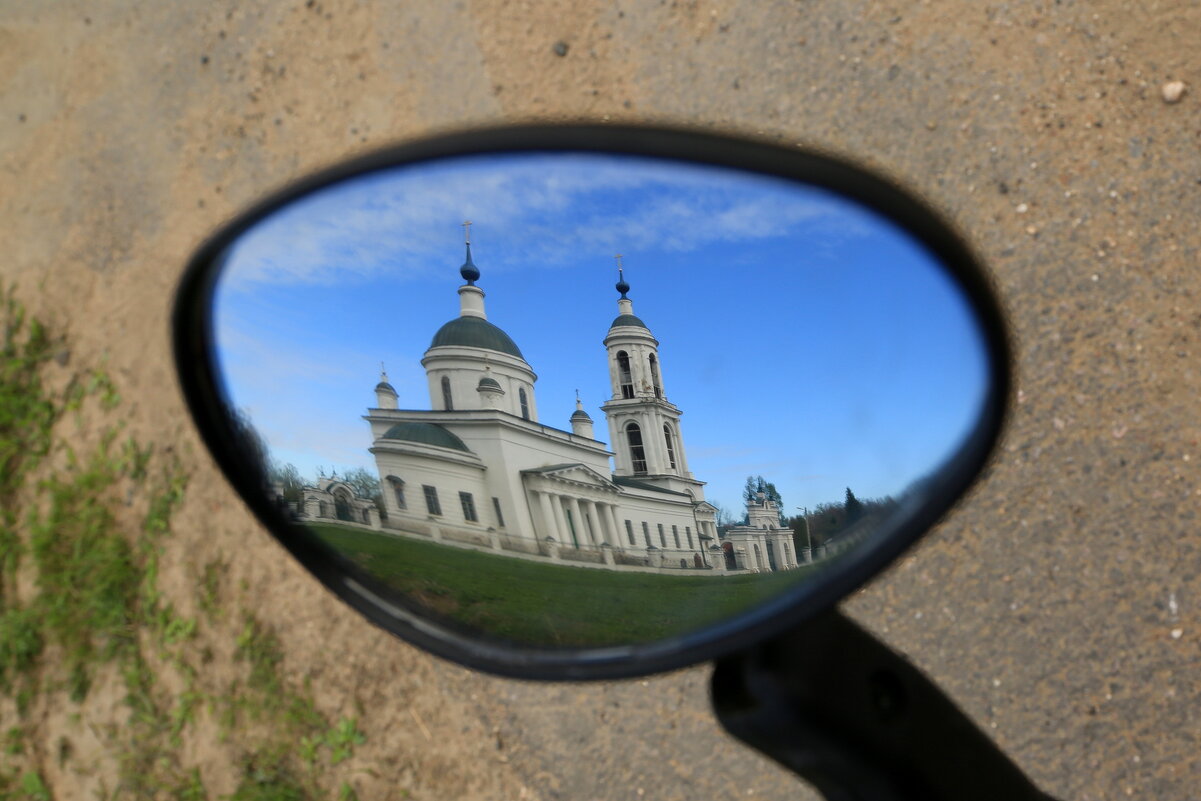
(398, 491)
(623, 374)
(525, 404)
(447, 404)
(321, 508)
(655, 376)
(671, 451)
(366, 516)
(637, 452)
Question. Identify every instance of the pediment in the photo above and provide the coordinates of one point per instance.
(575, 473)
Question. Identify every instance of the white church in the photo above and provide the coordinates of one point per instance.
(479, 469)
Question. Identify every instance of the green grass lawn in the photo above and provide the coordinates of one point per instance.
(540, 603)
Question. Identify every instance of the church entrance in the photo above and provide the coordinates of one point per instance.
(727, 549)
(771, 556)
(342, 507)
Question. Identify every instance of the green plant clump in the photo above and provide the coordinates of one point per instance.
(89, 594)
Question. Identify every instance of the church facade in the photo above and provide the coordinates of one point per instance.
(480, 468)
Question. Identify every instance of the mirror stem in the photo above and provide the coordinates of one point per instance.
(830, 702)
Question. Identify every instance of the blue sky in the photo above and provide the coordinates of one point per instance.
(804, 338)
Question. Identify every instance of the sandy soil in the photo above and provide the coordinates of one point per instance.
(128, 132)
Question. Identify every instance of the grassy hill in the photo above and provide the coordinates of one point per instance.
(542, 603)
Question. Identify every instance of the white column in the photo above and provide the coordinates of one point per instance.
(556, 503)
(618, 536)
(581, 525)
(548, 516)
(598, 525)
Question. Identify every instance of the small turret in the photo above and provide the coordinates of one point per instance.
(581, 423)
(385, 395)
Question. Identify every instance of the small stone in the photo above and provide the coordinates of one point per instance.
(560, 48)
(1173, 91)
(1177, 634)
(1022, 208)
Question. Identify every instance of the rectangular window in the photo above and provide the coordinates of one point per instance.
(662, 539)
(500, 519)
(688, 533)
(675, 533)
(468, 504)
(630, 531)
(431, 500)
(646, 533)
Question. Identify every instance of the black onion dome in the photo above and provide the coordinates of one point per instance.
(469, 271)
(475, 332)
(628, 319)
(426, 434)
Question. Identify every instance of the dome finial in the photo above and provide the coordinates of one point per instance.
(622, 286)
(383, 374)
(469, 271)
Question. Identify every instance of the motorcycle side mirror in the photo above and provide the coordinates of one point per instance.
(561, 485)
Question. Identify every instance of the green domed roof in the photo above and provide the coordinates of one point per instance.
(426, 434)
(628, 319)
(475, 332)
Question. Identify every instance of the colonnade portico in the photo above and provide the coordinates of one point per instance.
(595, 521)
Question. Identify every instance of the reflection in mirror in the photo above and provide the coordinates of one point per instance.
(602, 449)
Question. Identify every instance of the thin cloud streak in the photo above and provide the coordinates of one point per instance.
(398, 223)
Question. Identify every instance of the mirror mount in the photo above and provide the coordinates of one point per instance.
(832, 703)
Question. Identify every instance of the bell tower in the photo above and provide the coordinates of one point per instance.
(644, 427)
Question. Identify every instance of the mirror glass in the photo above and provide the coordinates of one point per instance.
(526, 435)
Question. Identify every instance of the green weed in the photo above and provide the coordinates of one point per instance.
(96, 599)
(343, 738)
(34, 788)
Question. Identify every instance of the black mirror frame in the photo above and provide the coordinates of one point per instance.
(201, 385)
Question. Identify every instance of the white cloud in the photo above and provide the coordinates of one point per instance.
(529, 209)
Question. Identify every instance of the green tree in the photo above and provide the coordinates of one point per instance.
(852, 507)
(288, 477)
(757, 484)
(800, 534)
(366, 485)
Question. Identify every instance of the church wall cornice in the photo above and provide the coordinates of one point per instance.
(484, 417)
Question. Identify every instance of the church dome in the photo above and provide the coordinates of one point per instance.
(426, 434)
(580, 414)
(384, 386)
(628, 319)
(475, 332)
